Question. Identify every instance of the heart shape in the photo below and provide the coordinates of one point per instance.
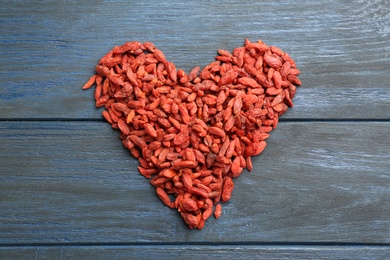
(194, 133)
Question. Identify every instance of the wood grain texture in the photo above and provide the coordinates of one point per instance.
(66, 182)
(48, 51)
(70, 190)
(197, 252)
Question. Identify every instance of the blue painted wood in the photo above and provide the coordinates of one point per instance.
(48, 51)
(74, 182)
(68, 189)
(198, 252)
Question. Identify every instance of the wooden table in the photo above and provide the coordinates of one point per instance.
(70, 190)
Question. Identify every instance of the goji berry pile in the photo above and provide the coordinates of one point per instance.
(194, 133)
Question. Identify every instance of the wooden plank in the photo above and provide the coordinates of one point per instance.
(73, 182)
(341, 47)
(196, 252)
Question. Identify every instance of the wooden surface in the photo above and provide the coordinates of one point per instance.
(70, 190)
